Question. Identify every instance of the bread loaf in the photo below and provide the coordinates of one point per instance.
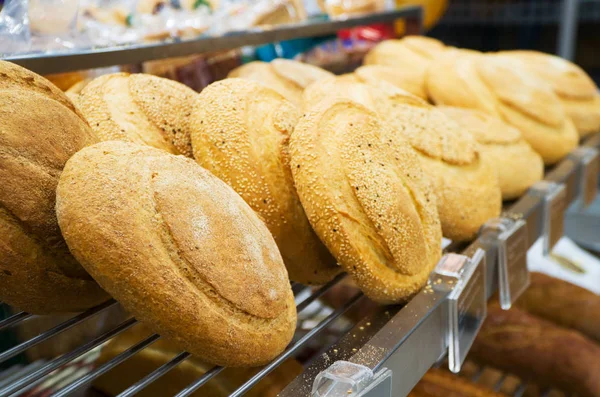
(440, 383)
(576, 90)
(240, 133)
(367, 198)
(516, 164)
(534, 349)
(288, 78)
(139, 108)
(39, 131)
(409, 79)
(562, 303)
(466, 187)
(498, 86)
(179, 249)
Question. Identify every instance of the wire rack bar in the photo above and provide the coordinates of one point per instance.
(499, 383)
(55, 331)
(14, 319)
(200, 382)
(65, 358)
(477, 374)
(107, 366)
(318, 293)
(520, 390)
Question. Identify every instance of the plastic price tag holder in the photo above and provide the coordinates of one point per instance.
(554, 207)
(589, 167)
(510, 239)
(465, 278)
(346, 379)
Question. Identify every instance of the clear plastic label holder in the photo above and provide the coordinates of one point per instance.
(588, 159)
(346, 379)
(509, 237)
(553, 216)
(465, 278)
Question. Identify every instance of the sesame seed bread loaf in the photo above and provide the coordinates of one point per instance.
(139, 108)
(501, 87)
(367, 198)
(576, 90)
(179, 249)
(466, 187)
(38, 134)
(409, 79)
(514, 161)
(240, 133)
(288, 78)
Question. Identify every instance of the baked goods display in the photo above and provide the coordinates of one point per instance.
(240, 133)
(489, 83)
(367, 198)
(213, 281)
(518, 167)
(39, 131)
(440, 383)
(449, 156)
(139, 108)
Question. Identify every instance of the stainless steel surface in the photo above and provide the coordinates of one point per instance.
(567, 30)
(131, 54)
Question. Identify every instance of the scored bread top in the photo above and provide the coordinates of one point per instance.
(367, 198)
(486, 129)
(139, 108)
(302, 74)
(179, 249)
(240, 132)
(409, 79)
(38, 274)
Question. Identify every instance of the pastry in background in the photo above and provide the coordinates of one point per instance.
(517, 342)
(518, 167)
(562, 303)
(576, 90)
(240, 133)
(466, 187)
(281, 12)
(502, 87)
(441, 383)
(348, 8)
(40, 129)
(288, 78)
(367, 198)
(179, 249)
(139, 108)
(65, 80)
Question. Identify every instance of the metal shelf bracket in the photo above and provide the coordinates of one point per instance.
(588, 160)
(554, 206)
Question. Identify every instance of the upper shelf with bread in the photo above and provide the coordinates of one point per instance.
(195, 210)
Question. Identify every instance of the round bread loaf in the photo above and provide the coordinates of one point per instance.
(288, 78)
(240, 133)
(516, 164)
(367, 198)
(500, 87)
(467, 188)
(179, 249)
(38, 134)
(409, 79)
(576, 90)
(139, 108)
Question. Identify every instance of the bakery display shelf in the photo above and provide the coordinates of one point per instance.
(391, 347)
(66, 61)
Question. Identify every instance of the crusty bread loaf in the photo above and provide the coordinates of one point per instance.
(516, 164)
(139, 108)
(288, 78)
(367, 198)
(38, 134)
(563, 303)
(240, 133)
(535, 349)
(576, 90)
(409, 79)
(441, 383)
(499, 86)
(466, 188)
(179, 249)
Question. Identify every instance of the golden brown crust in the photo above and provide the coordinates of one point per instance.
(367, 198)
(139, 108)
(449, 156)
(38, 274)
(409, 79)
(515, 163)
(534, 349)
(240, 132)
(440, 383)
(179, 249)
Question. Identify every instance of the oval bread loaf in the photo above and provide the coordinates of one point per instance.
(37, 272)
(518, 167)
(240, 133)
(139, 108)
(179, 249)
(367, 198)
